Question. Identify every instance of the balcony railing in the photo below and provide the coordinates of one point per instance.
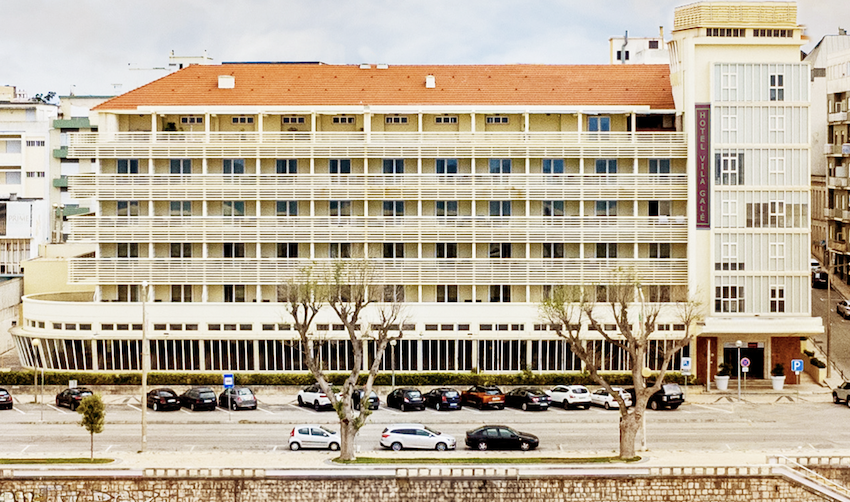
(271, 271)
(375, 144)
(378, 186)
(380, 229)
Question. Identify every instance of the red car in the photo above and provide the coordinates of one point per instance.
(484, 396)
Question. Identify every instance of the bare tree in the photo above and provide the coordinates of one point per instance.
(635, 320)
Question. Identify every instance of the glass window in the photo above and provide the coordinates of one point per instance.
(659, 166)
(500, 208)
(446, 250)
(500, 166)
(233, 166)
(553, 166)
(287, 250)
(606, 166)
(287, 208)
(233, 208)
(598, 124)
(181, 250)
(339, 207)
(393, 166)
(127, 208)
(553, 208)
(286, 166)
(553, 250)
(233, 249)
(445, 166)
(128, 166)
(393, 208)
(606, 208)
(180, 208)
(500, 249)
(180, 166)
(339, 166)
(445, 207)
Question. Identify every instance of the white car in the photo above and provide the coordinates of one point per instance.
(400, 436)
(313, 436)
(314, 396)
(601, 398)
(570, 396)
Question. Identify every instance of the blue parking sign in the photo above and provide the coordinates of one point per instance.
(796, 365)
(228, 380)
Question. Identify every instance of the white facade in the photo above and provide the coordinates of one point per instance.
(638, 50)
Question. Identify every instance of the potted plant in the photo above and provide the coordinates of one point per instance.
(777, 376)
(724, 371)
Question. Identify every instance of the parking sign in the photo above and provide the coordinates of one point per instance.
(686, 366)
(228, 380)
(796, 365)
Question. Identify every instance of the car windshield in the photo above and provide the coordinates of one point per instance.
(166, 393)
(492, 391)
(536, 392)
(85, 393)
(206, 394)
(3, 393)
(672, 388)
(413, 394)
(243, 392)
(579, 390)
(432, 431)
(451, 393)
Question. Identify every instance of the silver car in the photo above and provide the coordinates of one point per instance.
(843, 308)
(313, 436)
(400, 436)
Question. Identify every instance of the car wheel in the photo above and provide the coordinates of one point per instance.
(396, 446)
(847, 401)
(835, 398)
(565, 404)
(482, 445)
(300, 401)
(524, 406)
(58, 404)
(294, 446)
(155, 406)
(653, 405)
(401, 407)
(192, 406)
(316, 405)
(587, 407)
(674, 406)
(333, 446)
(441, 446)
(437, 406)
(73, 406)
(502, 407)
(524, 446)
(233, 406)
(607, 405)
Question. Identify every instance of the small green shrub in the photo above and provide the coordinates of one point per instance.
(809, 353)
(817, 363)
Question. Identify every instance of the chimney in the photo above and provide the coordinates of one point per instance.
(430, 81)
(226, 81)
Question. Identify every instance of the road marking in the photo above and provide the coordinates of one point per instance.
(19, 411)
(131, 406)
(192, 448)
(107, 448)
(265, 410)
(57, 409)
(712, 408)
(275, 448)
(186, 411)
(25, 448)
(222, 410)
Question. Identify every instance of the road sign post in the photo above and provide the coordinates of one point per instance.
(228, 384)
(686, 372)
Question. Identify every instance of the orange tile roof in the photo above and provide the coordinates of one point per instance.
(339, 85)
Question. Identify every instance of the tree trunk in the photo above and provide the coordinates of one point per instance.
(91, 434)
(629, 427)
(347, 434)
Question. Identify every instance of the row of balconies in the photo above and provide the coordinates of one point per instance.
(375, 144)
(380, 229)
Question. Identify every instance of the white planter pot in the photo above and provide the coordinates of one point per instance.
(722, 382)
(778, 382)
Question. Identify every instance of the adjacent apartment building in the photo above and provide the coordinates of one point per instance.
(472, 190)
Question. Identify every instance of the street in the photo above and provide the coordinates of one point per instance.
(839, 326)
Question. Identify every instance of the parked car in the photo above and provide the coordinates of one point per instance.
(570, 396)
(814, 264)
(483, 395)
(163, 399)
(6, 400)
(841, 393)
(313, 395)
(526, 398)
(313, 436)
(374, 400)
(443, 398)
(406, 399)
(820, 278)
(72, 397)
(237, 398)
(500, 437)
(601, 398)
(198, 398)
(401, 436)
(670, 395)
(843, 308)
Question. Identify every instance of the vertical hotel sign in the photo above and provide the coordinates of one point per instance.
(703, 171)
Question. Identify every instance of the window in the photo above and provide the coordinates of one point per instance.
(180, 166)
(339, 207)
(342, 119)
(339, 250)
(393, 293)
(777, 255)
(292, 120)
(725, 32)
(128, 166)
(729, 213)
(729, 299)
(242, 120)
(606, 208)
(181, 293)
(445, 166)
(500, 249)
(15, 178)
(339, 166)
(729, 252)
(287, 208)
(761, 32)
(234, 293)
(234, 208)
(620, 56)
(447, 293)
(500, 166)
(393, 250)
(127, 250)
(553, 250)
(233, 249)
(181, 250)
(500, 208)
(777, 214)
(776, 165)
(287, 250)
(445, 207)
(657, 293)
(393, 166)
(233, 166)
(127, 208)
(191, 120)
(31, 142)
(553, 166)
(393, 208)
(776, 121)
(606, 250)
(728, 84)
(729, 168)
(606, 166)
(497, 119)
(659, 250)
(729, 121)
(445, 119)
(500, 294)
(660, 207)
(653, 44)
(286, 166)
(395, 119)
(180, 208)
(777, 87)
(553, 208)
(445, 250)
(127, 294)
(777, 299)
(598, 124)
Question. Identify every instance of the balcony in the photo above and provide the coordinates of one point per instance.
(378, 144)
(272, 271)
(60, 182)
(464, 229)
(838, 149)
(72, 123)
(837, 117)
(378, 186)
(60, 153)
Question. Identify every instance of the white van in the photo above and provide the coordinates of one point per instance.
(814, 264)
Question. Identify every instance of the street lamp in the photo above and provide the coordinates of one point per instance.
(146, 356)
(392, 361)
(36, 343)
(738, 344)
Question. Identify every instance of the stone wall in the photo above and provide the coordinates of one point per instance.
(379, 489)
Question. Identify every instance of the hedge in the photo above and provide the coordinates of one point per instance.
(299, 379)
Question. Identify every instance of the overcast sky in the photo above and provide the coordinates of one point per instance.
(90, 44)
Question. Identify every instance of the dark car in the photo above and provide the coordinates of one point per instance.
(500, 437)
(443, 398)
(819, 278)
(72, 397)
(357, 397)
(6, 399)
(670, 396)
(198, 398)
(484, 395)
(528, 397)
(237, 398)
(163, 399)
(406, 399)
